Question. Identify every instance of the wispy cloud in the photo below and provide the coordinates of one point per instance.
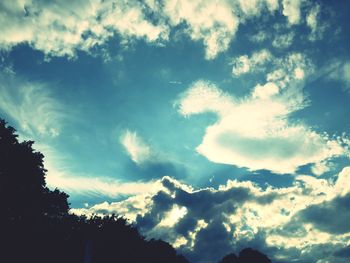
(137, 149)
(61, 175)
(31, 105)
(340, 71)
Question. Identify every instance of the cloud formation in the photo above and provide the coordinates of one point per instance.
(255, 132)
(61, 28)
(240, 214)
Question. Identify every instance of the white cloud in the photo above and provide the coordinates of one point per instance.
(255, 62)
(254, 7)
(173, 216)
(291, 9)
(60, 28)
(138, 150)
(312, 21)
(31, 105)
(320, 168)
(342, 186)
(255, 132)
(95, 186)
(265, 91)
(212, 22)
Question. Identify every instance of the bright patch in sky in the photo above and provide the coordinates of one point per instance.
(198, 120)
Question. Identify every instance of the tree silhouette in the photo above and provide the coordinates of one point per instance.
(36, 226)
(230, 258)
(247, 255)
(23, 191)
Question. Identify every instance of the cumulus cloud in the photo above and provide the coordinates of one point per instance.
(215, 24)
(254, 131)
(60, 28)
(241, 214)
(30, 105)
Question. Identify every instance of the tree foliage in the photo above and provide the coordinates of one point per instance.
(36, 226)
(247, 255)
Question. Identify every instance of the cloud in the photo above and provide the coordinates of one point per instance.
(95, 186)
(340, 71)
(317, 25)
(255, 62)
(320, 168)
(61, 28)
(265, 91)
(31, 105)
(283, 40)
(254, 132)
(258, 37)
(281, 222)
(214, 24)
(291, 9)
(61, 175)
(137, 149)
(330, 216)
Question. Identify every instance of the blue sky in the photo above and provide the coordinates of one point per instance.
(197, 120)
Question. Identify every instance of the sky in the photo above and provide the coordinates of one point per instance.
(214, 125)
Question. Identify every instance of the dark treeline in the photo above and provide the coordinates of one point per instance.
(36, 226)
(247, 255)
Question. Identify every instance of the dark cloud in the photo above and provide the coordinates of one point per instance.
(343, 253)
(330, 216)
(212, 241)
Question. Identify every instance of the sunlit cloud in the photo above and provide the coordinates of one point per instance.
(61, 28)
(255, 132)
